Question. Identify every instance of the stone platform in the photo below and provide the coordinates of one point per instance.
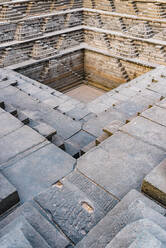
(84, 169)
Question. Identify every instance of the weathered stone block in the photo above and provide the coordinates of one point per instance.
(8, 124)
(76, 205)
(154, 184)
(120, 163)
(133, 207)
(39, 170)
(8, 195)
(147, 131)
(17, 142)
(35, 217)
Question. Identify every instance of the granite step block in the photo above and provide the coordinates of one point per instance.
(39, 170)
(10, 109)
(45, 130)
(95, 125)
(120, 163)
(133, 207)
(23, 118)
(8, 124)
(76, 205)
(17, 142)
(156, 114)
(141, 233)
(8, 195)
(40, 222)
(113, 127)
(147, 131)
(9, 235)
(15, 239)
(154, 184)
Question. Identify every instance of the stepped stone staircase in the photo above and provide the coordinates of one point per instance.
(71, 174)
(74, 174)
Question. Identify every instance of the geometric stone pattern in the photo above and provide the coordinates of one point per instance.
(47, 197)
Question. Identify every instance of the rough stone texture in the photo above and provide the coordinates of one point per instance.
(8, 195)
(76, 205)
(8, 124)
(120, 163)
(152, 235)
(18, 142)
(154, 183)
(147, 131)
(17, 225)
(43, 167)
(63, 44)
(156, 114)
(133, 207)
(39, 222)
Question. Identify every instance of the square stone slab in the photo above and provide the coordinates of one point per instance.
(45, 130)
(147, 131)
(156, 114)
(81, 139)
(96, 124)
(154, 184)
(162, 103)
(8, 195)
(76, 205)
(8, 124)
(39, 170)
(120, 163)
(17, 142)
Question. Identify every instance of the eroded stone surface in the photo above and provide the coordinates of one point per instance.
(147, 131)
(39, 170)
(76, 205)
(8, 195)
(120, 163)
(154, 184)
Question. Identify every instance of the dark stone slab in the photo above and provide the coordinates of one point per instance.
(76, 205)
(81, 139)
(8, 124)
(133, 207)
(39, 170)
(120, 163)
(18, 142)
(8, 195)
(40, 223)
(147, 131)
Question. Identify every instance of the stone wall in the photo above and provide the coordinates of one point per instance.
(110, 71)
(60, 72)
(131, 33)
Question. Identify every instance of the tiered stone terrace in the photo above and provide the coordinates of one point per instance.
(74, 174)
